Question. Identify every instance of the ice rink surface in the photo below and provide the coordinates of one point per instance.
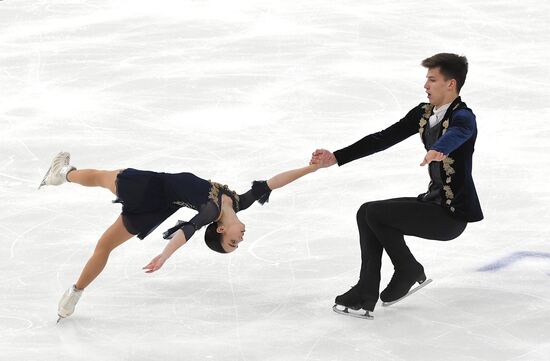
(240, 90)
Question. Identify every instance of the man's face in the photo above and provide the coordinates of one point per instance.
(439, 90)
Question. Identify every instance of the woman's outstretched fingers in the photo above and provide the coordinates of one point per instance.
(155, 264)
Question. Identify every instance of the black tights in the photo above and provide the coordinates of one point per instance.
(382, 225)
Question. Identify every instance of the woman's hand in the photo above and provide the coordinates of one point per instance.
(323, 158)
(155, 264)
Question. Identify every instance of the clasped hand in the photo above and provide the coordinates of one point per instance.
(323, 158)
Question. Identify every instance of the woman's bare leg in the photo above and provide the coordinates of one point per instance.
(113, 237)
(94, 178)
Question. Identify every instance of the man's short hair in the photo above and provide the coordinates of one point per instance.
(452, 66)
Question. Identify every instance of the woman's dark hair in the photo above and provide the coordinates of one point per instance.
(213, 239)
(452, 66)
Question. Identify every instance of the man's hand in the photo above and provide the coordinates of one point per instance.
(155, 264)
(323, 157)
(432, 156)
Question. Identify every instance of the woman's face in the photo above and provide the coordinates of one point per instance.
(232, 235)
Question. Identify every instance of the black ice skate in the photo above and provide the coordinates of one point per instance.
(400, 287)
(352, 300)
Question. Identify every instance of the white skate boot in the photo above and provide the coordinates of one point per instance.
(68, 302)
(57, 174)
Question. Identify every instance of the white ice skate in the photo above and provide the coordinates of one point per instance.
(57, 174)
(68, 302)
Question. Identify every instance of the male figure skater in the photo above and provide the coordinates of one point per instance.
(447, 128)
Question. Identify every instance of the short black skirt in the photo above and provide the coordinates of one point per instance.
(144, 202)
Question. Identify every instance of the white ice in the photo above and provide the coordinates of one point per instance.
(240, 90)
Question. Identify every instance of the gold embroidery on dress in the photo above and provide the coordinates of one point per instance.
(184, 204)
(215, 193)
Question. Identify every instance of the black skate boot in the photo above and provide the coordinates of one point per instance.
(353, 300)
(400, 286)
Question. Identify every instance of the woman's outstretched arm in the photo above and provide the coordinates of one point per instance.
(282, 179)
(176, 242)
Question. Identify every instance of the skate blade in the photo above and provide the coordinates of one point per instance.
(59, 318)
(364, 314)
(43, 183)
(421, 285)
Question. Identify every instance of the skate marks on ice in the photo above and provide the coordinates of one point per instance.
(513, 258)
(417, 288)
(521, 314)
(14, 324)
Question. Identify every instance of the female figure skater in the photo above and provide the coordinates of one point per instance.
(148, 198)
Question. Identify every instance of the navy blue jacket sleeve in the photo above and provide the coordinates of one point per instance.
(382, 140)
(461, 128)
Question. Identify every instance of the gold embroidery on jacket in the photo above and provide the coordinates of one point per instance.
(424, 119)
(446, 122)
(449, 170)
(447, 163)
(448, 192)
(445, 126)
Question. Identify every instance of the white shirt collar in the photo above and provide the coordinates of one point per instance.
(438, 114)
(442, 109)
